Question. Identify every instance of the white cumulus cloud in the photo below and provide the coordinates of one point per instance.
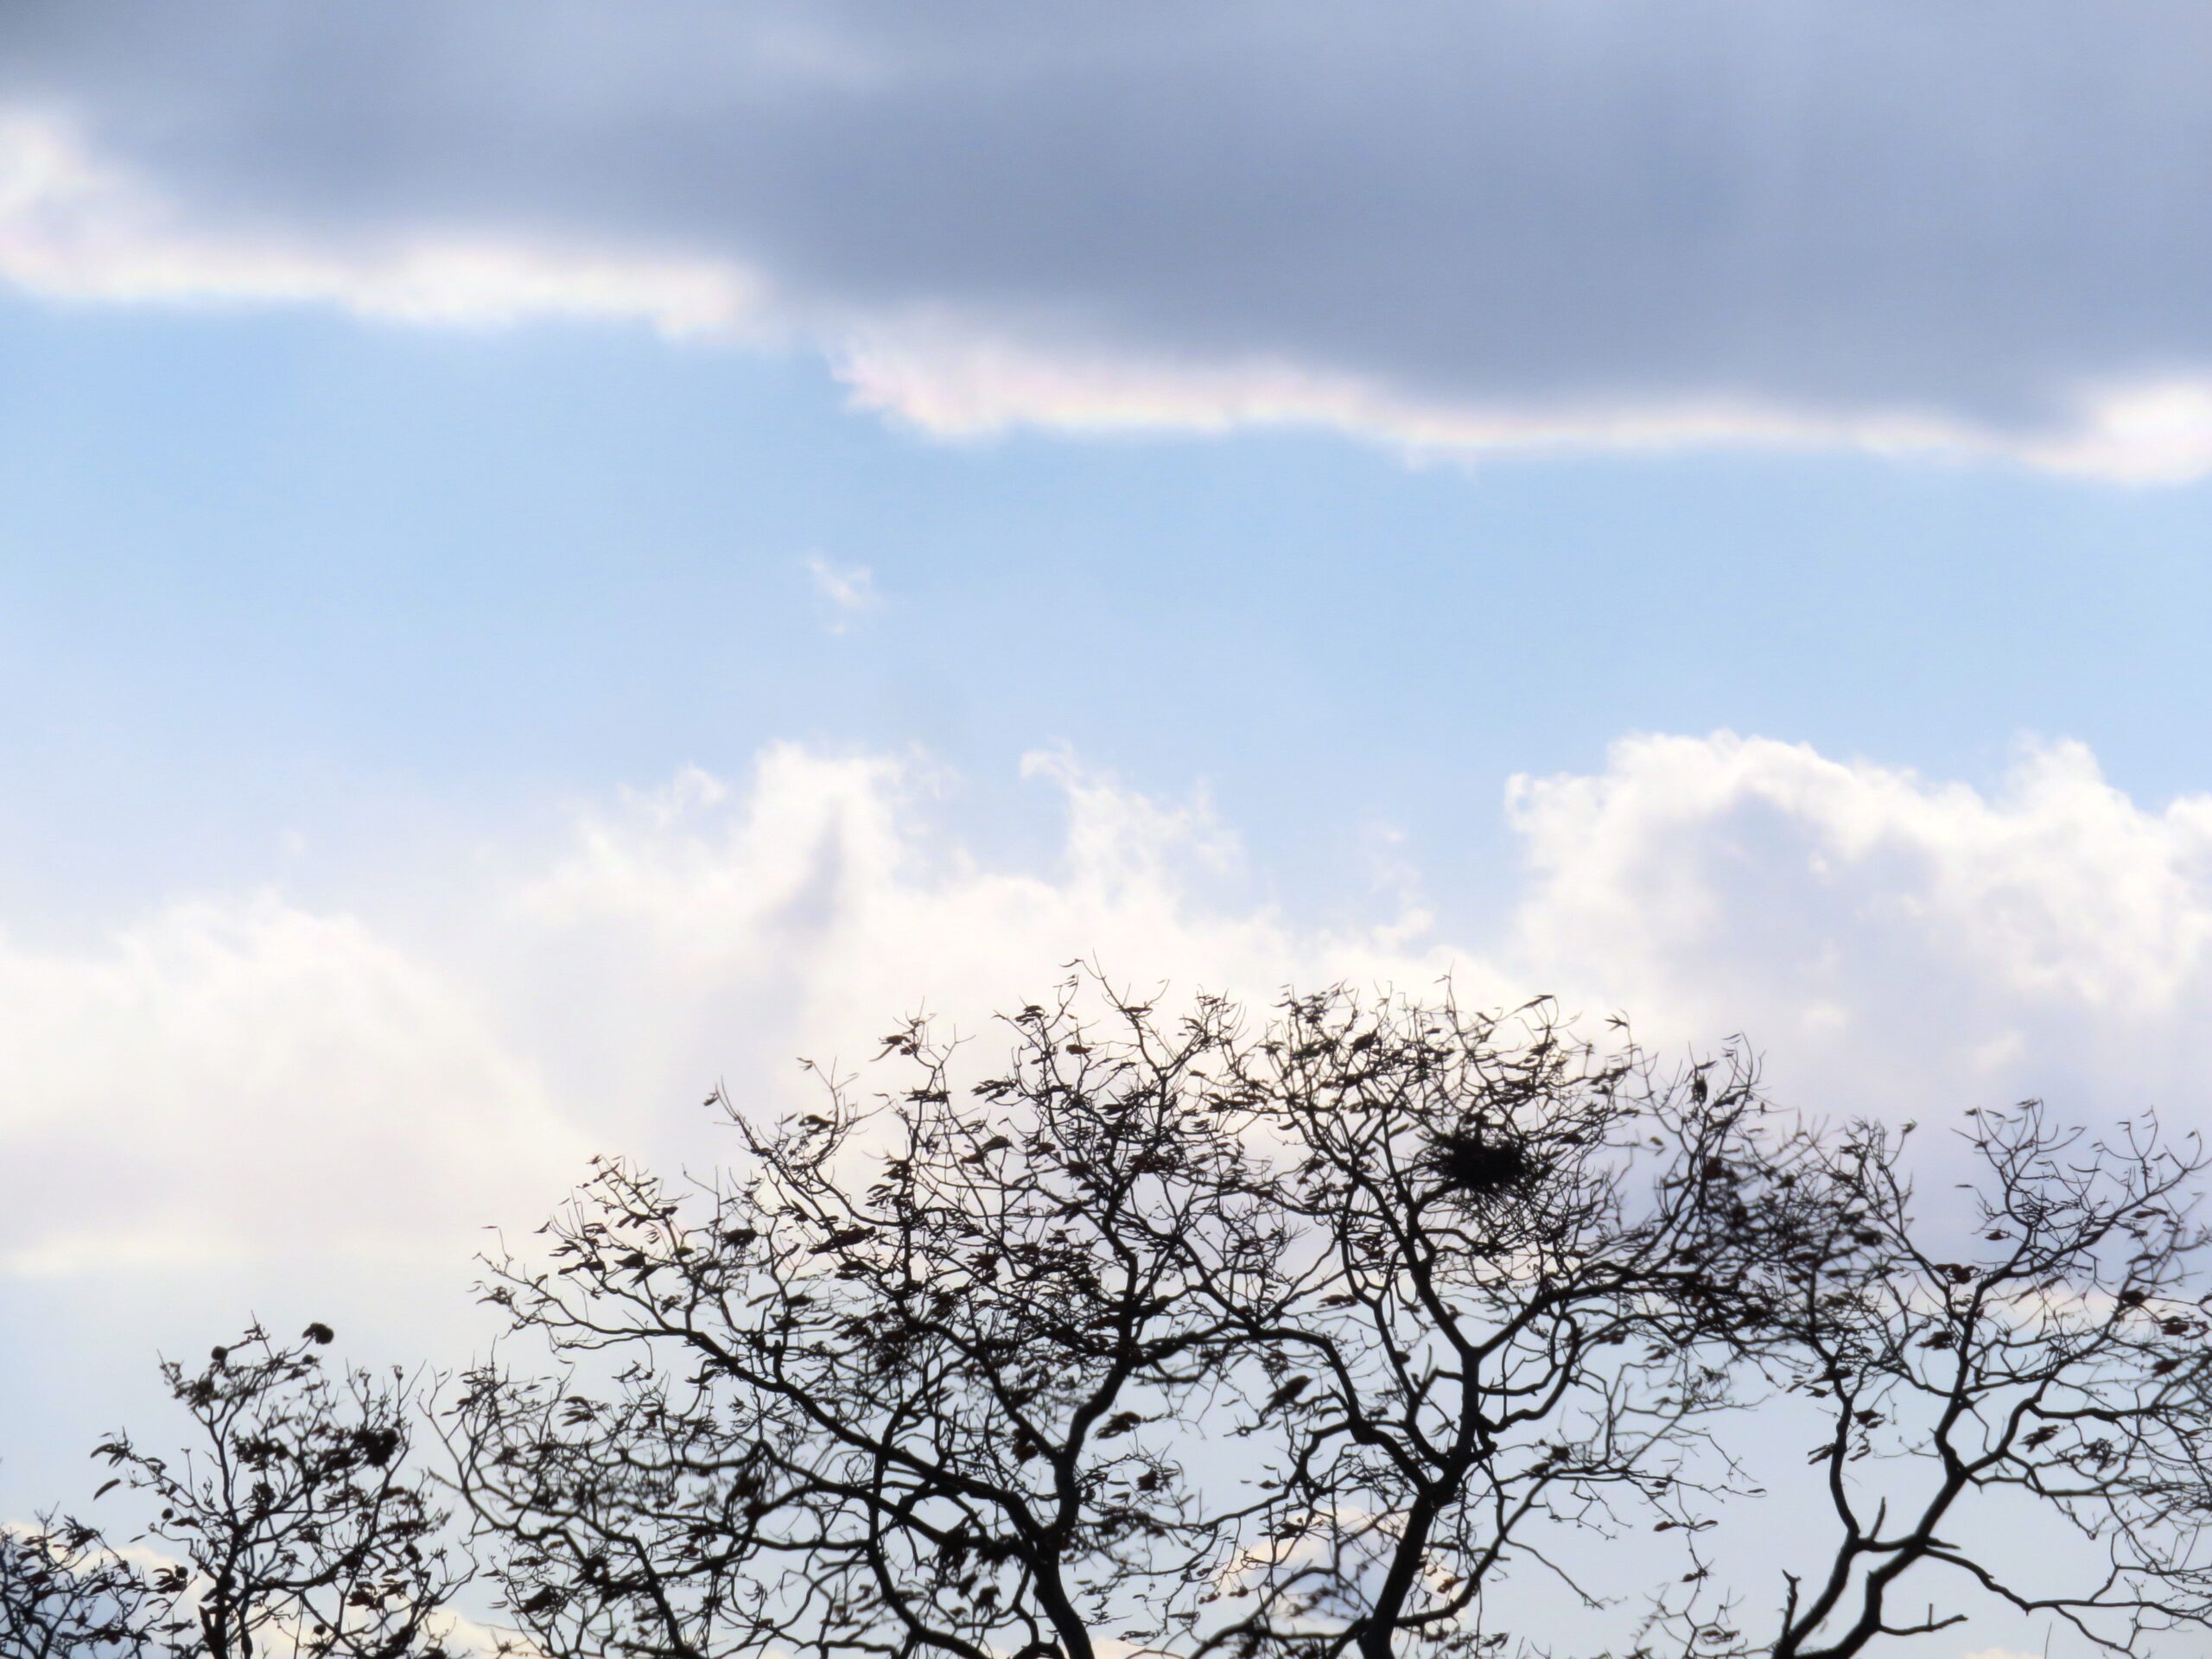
(243, 1078)
(1894, 944)
(228, 1081)
(1891, 938)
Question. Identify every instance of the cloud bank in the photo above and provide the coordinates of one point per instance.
(255, 1079)
(228, 1081)
(1966, 231)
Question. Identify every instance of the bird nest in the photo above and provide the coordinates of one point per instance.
(1479, 1162)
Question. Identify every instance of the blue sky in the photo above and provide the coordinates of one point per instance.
(524, 594)
(287, 571)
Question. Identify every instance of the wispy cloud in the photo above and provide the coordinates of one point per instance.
(849, 589)
(2150, 432)
(74, 226)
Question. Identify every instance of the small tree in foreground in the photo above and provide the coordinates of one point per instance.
(65, 1592)
(295, 1526)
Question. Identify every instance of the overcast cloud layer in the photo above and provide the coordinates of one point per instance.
(1969, 229)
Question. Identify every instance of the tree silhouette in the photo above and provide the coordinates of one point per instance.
(64, 1592)
(937, 1374)
(302, 1530)
(2045, 1354)
(290, 1525)
(1348, 1332)
(1529, 1273)
(921, 1381)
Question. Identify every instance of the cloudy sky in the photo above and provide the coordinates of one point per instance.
(553, 555)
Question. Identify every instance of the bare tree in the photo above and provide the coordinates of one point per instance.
(1527, 1269)
(302, 1529)
(2042, 1356)
(65, 1592)
(922, 1381)
(1326, 1336)
(1318, 1337)
(937, 1374)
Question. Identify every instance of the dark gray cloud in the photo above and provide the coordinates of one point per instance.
(1975, 214)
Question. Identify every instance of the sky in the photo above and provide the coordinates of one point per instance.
(553, 557)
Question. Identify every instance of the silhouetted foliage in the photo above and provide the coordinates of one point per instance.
(295, 1524)
(1359, 1330)
(64, 1592)
(2045, 1354)
(922, 1380)
(944, 1372)
(1525, 1271)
